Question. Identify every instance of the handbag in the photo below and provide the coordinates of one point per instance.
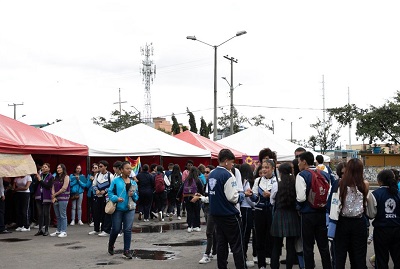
(131, 203)
(110, 207)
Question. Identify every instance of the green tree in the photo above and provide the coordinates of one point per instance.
(204, 131)
(192, 121)
(238, 120)
(175, 129)
(118, 121)
(326, 139)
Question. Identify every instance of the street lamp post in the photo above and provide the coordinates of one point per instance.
(215, 75)
(291, 128)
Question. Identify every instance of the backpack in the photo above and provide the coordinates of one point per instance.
(319, 190)
(176, 184)
(159, 183)
(189, 189)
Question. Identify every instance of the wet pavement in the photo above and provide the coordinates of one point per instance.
(154, 245)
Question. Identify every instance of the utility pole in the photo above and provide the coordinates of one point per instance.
(233, 60)
(348, 102)
(119, 102)
(15, 109)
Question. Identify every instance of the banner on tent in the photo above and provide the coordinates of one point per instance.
(15, 165)
(251, 160)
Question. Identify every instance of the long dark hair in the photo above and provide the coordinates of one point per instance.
(353, 177)
(286, 186)
(388, 178)
(247, 174)
(176, 175)
(63, 173)
(193, 175)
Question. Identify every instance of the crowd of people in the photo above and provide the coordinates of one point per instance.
(293, 204)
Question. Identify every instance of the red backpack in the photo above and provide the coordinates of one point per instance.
(159, 183)
(319, 190)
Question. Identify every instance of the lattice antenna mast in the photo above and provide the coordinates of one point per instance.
(148, 71)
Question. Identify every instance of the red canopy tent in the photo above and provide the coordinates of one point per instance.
(19, 138)
(205, 143)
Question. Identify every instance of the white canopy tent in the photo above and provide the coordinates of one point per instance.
(165, 144)
(138, 140)
(253, 139)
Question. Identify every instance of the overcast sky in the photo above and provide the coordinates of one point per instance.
(64, 58)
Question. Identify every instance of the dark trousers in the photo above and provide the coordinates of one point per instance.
(387, 240)
(2, 214)
(262, 224)
(172, 203)
(210, 233)
(229, 231)
(161, 201)
(248, 226)
(145, 201)
(43, 213)
(23, 209)
(89, 209)
(193, 212)
(290, 251)
(351, 237)
(313, 228)
(99, 215)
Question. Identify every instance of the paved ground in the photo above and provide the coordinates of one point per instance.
(157, 245)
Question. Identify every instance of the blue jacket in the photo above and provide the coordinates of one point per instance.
(77, 186)
(89, 186)
(117, 189)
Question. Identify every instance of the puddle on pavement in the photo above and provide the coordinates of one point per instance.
(66, 244)
(13, 240)
(109, 263)
(159, 228)
(76, 247)
(145, 254)
(190, 243)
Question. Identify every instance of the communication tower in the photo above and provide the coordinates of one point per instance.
(148, 71)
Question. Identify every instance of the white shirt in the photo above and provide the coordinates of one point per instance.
(21, 182)
(1, 187)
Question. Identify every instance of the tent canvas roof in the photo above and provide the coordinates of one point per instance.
(205, 143)
(142, 136)
(253, 139)
(17, 137)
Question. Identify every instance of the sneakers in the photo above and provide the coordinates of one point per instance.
(140, 216)
(179, 218)
(103, 234)
(255, 259)
(19, 229)
(154, 214)
(110, 249)
(120, 234)
(127, 254)
(62, 235)
(93, 232)
(80, 222)
(160, 215)
(250, 263)
(372, 260)
(72, 223)
(268, 261)
(26, 229)
(55, 233)
(146, 220)
(197, 229)
(190, 229)
(91, 224)
(205, 259)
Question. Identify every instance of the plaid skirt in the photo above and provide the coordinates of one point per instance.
(285, 223)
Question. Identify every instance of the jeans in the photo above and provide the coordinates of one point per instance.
(193, 213)
(210, 233)
(60, 209)
(43, 212)
(119, 217)
(77, 202)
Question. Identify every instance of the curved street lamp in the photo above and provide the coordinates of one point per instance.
(215, 75)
